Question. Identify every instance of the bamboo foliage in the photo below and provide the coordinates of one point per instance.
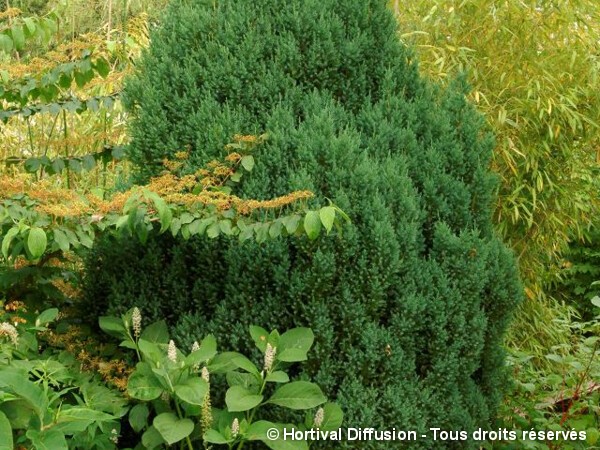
(534, 70)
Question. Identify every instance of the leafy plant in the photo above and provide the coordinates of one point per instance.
(577, 282)
(16, 30)
(174, 388)
(419, 282)
(534, 71)
(563, 397)
(45, 400)
(186, 206)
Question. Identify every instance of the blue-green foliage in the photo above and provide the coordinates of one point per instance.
(410, 305)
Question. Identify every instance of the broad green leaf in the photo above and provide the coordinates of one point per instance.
(171, 428)
(138, 417)
(327, 215)
(294, 344)
(291, 223)
(262, 231)
(199, 226)
(17, 382)
(257, 431)
(246, 380)
(46, 317)
(58, 165)
(102, 67)
(245, 364)
(144, 387)
(6, 436)
(75, 419)
(278, 376)
(164, 213)
(75, 165)
(30, 24)
(214, 437)
(298, 395)
(312, 224)
(176, 226)
(85, 239)
(248, 162)
(18, 36)
(259, 336)
(592, 436)
(50, 439)
(275, 229)
(156, 332)
(225, 226)
(37, 242)
(31, 165)
(152, 438)
(555, 358)
(332, 417)
(223, 362)
(207, 350)
(214, 230)
(113, 326)
(151, 351)
(6, 43)
(238, 398)
(50, 24)
(192, 391)
(596, 301)
(80, 79)
(61, 240)
(6, 241)
(88, 162)
(20, 413)
(246, 233)
(101, 398)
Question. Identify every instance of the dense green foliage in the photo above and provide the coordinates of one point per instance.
(580, 274)
(534, 71)
(174, 389)
(409, 307)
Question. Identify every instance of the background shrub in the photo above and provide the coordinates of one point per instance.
(579, 274)
(410, 305)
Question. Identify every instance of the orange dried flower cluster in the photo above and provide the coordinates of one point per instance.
(112, 83)
(11, 312)
(246, 207)
(75, 341)
(175, 189)
(10, 186)
(66, 52)
(16, 320)
(182, 155)
(249, 138)
(10, 13)
(67, 289)
(172, 166)
(15, 306)
(233, 157)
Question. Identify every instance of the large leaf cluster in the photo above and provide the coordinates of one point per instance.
(410, 306)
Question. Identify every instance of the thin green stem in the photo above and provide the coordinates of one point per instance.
(262, 388)
(135, 341)
(30, 135)
(104, 162)
(179, 413)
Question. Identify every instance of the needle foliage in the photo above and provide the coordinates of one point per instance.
(409, 305)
